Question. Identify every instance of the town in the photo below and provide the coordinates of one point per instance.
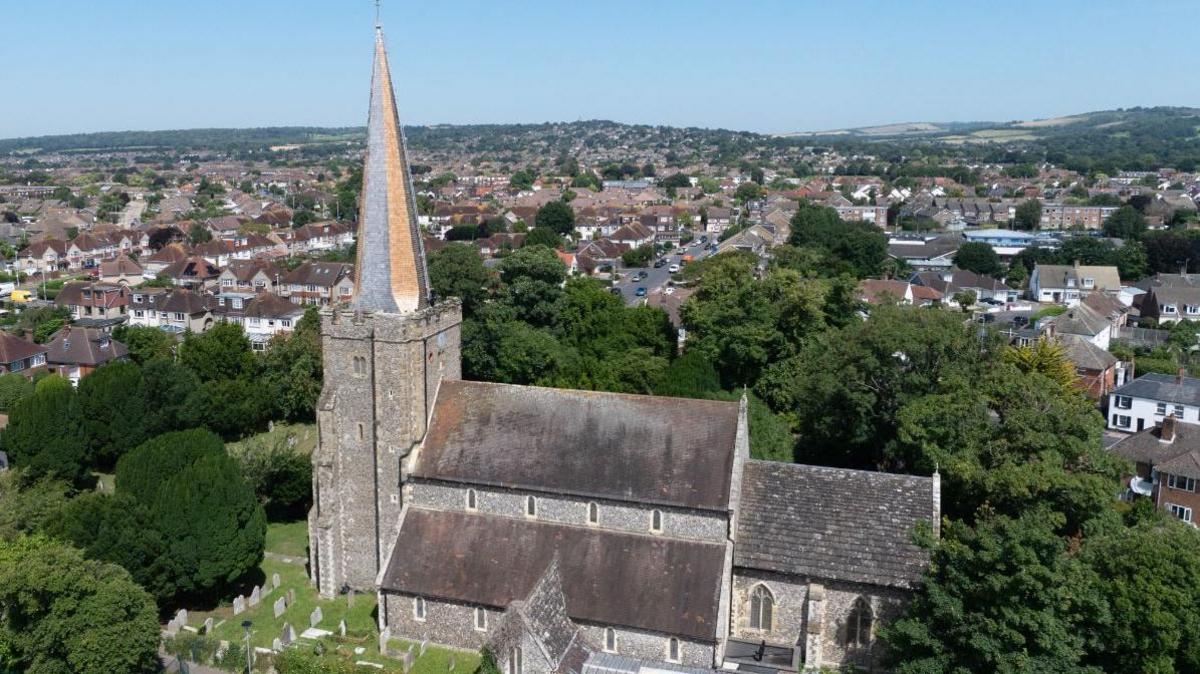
(601, 398)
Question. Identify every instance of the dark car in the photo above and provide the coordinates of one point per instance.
(659, 263)
(615, 290)
(1020, 320)
(640, 292)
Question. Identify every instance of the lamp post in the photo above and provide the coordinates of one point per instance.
(249, 657)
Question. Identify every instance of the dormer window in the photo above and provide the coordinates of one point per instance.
(1089, 283)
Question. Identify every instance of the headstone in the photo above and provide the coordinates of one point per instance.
(222, 649)
(208, 625)
(280, 606)
(181, 617)
(172, 627)
(406, 661)
(350, 599)
(291, 596)
(239, 604)
(275, 580)
(315, 617)
(384, 637)
(451, 667)
(424, 643)
(255, 596)
(276, 644)
(289, 634)
(3, 461)
(342, 627)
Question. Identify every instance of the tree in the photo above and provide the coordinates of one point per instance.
(26, 507)
(543, 236)
(533, 278)
(978, 257)
(279, 475)
(965, 299)
(140, 473)
(112, 405)
(223, 352)
(522, 180)
(854, 246)
(1000, 597)
(457, 271)
(168, 386)
(1044, 357)
(638, 257)
(144, 342)
(557, 216)
(13, 389)
(231, 407)
(45, 435)
(748, 192)
(292, 368)
(1125, 223)
(64, 613)
(1028, 215)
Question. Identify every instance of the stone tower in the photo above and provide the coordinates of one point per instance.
(384, 358)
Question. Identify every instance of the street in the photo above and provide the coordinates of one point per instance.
(656, 279)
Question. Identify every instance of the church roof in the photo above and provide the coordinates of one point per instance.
(644, 582)
(668, 451)
(833, 523)
(391, 261)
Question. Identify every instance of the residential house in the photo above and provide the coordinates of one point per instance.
(634, 235)
(175, 311)
(43, 256)
(1147, 400)
(76, 352)
(1166, 457)
(249, 276)
(1068, 284)
(320, 283)
(262, 316)
(925, 252)
(154, 264)
(954, 280)
(121, 270)
(1074, 216)
(882, 291)
(19, 356)
(718, 220)
(98, 303)
(1172, 303)
(194, 272)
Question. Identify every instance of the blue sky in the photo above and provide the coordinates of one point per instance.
(762, 65)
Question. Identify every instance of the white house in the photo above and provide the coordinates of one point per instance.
(1067, 284)
(1147, 400)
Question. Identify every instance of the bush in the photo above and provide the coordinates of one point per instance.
(13, 389)
(45, 434)
(141, 472)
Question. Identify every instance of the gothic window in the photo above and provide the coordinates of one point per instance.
(472, 500)
(762, 608)
(530, 506)
(515, 666)
(360, 365)
(672, 650)
(360, 432)
(656, 521)
(480, 619)
(858, 626)
(593, 513)
(610, 640)
(418, 608)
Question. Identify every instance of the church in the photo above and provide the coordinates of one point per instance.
(575, 531)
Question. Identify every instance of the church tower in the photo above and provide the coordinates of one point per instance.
(384, 359)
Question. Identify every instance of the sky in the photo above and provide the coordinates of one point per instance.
(760, 65)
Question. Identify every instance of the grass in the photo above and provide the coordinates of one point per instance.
(291, 539)
(305, 436)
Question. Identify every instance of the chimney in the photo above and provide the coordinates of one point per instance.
(1166, 433)
(1180, 375)
(1076, 265)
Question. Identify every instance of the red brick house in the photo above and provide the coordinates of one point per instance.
(18, 356)
(1167, 460)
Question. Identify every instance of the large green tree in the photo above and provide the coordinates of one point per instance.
(61, 613)
(557, 216)
(457, 271)
(112, 404)
(1028, 215)
(223, 352)
(293, 371)
(978, 257)
(1125, 223)
(45, 435)
(853, 246)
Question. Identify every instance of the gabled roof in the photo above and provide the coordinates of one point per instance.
(192, 268)
(121, 266)
(270, 305)
(1164, 387)
(833, 523)
(1147, 446)
(1086, 355)
(647, 449)
(320, 274)
(13, 349)
(654, 583)
(83, 346)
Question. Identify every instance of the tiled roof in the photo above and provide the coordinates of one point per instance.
(84, 346)
(1164, 387)
(833, 523)
(13, 349)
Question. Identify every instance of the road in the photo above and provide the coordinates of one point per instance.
(656, 279)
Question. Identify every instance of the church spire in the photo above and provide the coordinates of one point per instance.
(390, 271)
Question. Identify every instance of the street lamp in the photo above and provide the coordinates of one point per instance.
(246, 627)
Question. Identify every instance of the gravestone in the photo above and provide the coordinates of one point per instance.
(280, 606)
(315, 617)
(350, 599)
(3, 461)
(289, 634)
(181, 617)
(255, 596)
(275, 579)
(208, 625)
(406, 661)
(291, 595)
(172, 627)
(239, 604)
(342, 627)
(222, 649)
(276, 645)
(451, 667)
(384, 637)
(424, 642)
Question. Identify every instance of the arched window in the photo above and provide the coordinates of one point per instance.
(672, 650)
(418, 608)
(530, 506)
(480, 619)
(515, 666)
(858, 625)
(762, 608)
(593, 513)
(656, 520)
(610, 640)
(472, 500)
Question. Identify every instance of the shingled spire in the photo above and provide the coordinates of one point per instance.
(390, 270)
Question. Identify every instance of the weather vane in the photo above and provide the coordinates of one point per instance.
(377, 22)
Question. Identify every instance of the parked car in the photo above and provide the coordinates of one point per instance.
(640, 292)
(1020, 321)
(615, 290)
(659, 263)
(674, 269)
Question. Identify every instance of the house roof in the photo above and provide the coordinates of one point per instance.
(13, 348)
(848, 525)
(1164, 387)
(648, 449)
(270, 305)
(1086, 355)
(653, 583)
(192, 268)
(83, 346)
(121, 266)
(178, 300)
(1079, 320)
(1056, 276)
(1147, 447)
(321, 274)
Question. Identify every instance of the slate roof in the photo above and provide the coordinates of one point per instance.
(320, 274)
(1186, 464)
(1084, 354)
(610, 578)
(648, 449)
(1164, 387)
(1080, 320)
(833, 523)
(1147, 447)
(13, 349)
(84, 346)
